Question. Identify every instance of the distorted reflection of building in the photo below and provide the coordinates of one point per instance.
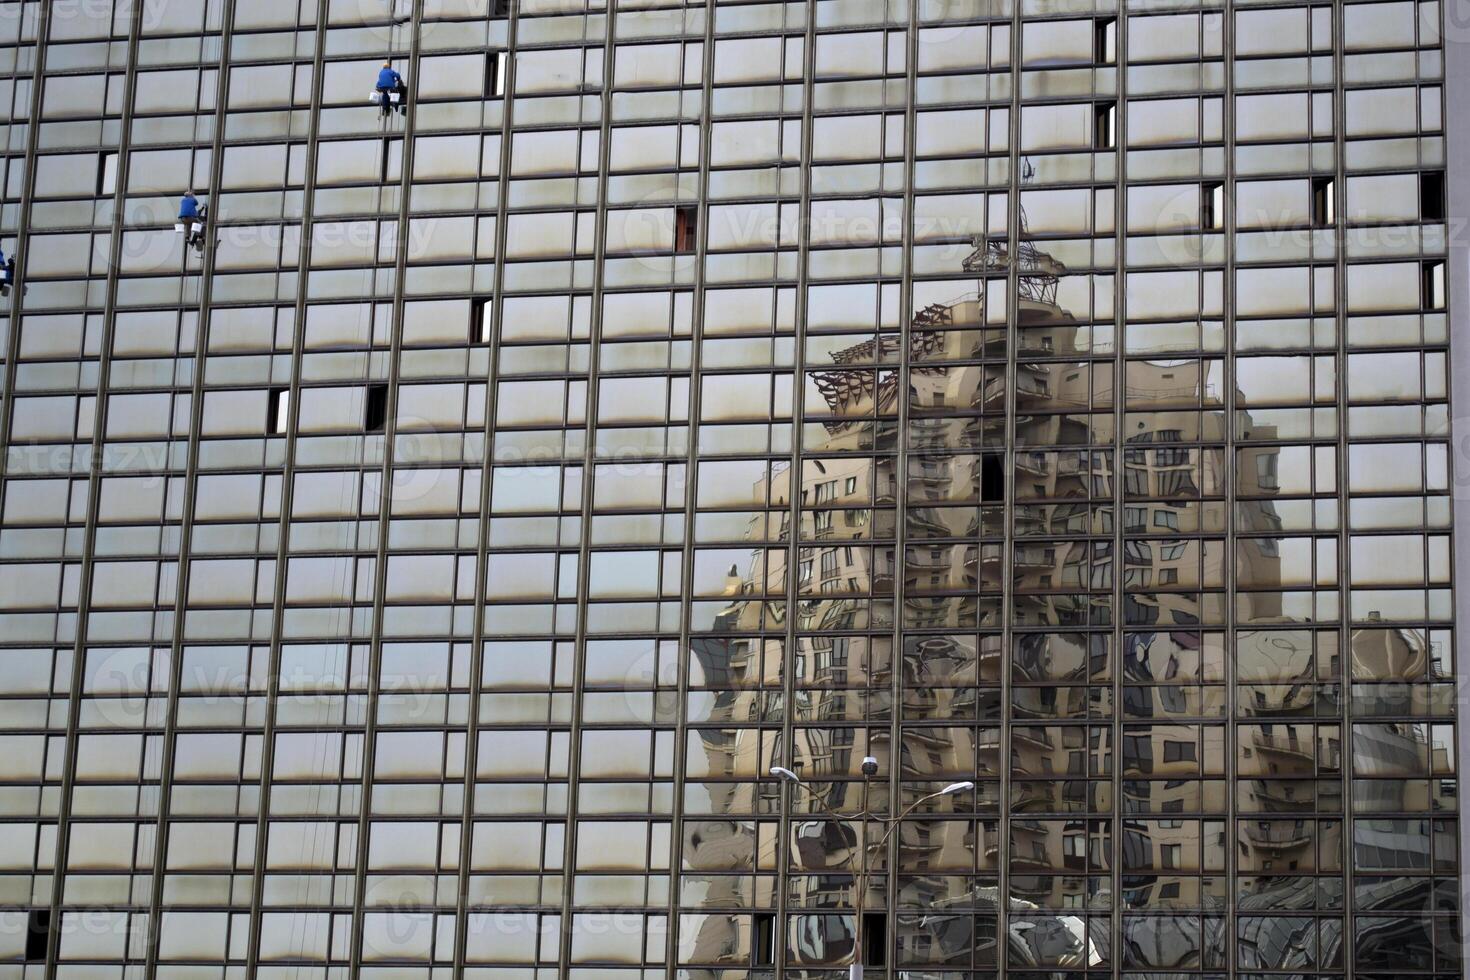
(1078, 802)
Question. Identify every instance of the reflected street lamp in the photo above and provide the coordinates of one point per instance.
(869, 769)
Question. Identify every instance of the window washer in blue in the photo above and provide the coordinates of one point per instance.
(390, 83)
(191, 220)
(7, 272)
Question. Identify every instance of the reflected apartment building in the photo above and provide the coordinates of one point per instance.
(1060, 860)
(419, 577)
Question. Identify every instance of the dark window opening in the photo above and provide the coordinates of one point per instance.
(383, 163)
(375, 417)
(992, 478)
(686, 227)
(1431, 196)
(280, 410)
(763, 940)
(500, 8)
(1212, 206)
(38, 935)
(1105, 42)
(494, 74)
(1432, 286)
(1324, 201)
(875, 938)
(1103, 119)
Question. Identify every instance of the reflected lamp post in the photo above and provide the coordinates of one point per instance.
(870, 769)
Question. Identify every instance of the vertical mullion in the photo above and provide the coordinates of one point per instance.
(895, 801)
(1344, 496)
(94, 478)
(487, 473)
(1231, 727)
(589, 466)
(791, 795)
(691, 488)
(1008, 509)
(1119, 467)
(1457, 202)
(283, 514)
(191, 477)
(385, 496)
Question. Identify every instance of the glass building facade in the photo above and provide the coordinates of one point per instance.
(421, 579)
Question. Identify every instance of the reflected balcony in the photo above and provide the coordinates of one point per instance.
(1289, 745)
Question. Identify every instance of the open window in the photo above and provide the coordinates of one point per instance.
(495, 74)
(280, 411)
(1431, 196)
(992, 478)
(1104, 125)
(875, 938)
(500, 8)
(1324, 201)
(1432, 286)
(38, 935)
(107, 175)
(375, 412)
(763, 939)
(480, 321)
(686, 228)
(1105, 41)
(1212, 206)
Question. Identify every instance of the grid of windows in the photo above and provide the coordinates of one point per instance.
(421, 578)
